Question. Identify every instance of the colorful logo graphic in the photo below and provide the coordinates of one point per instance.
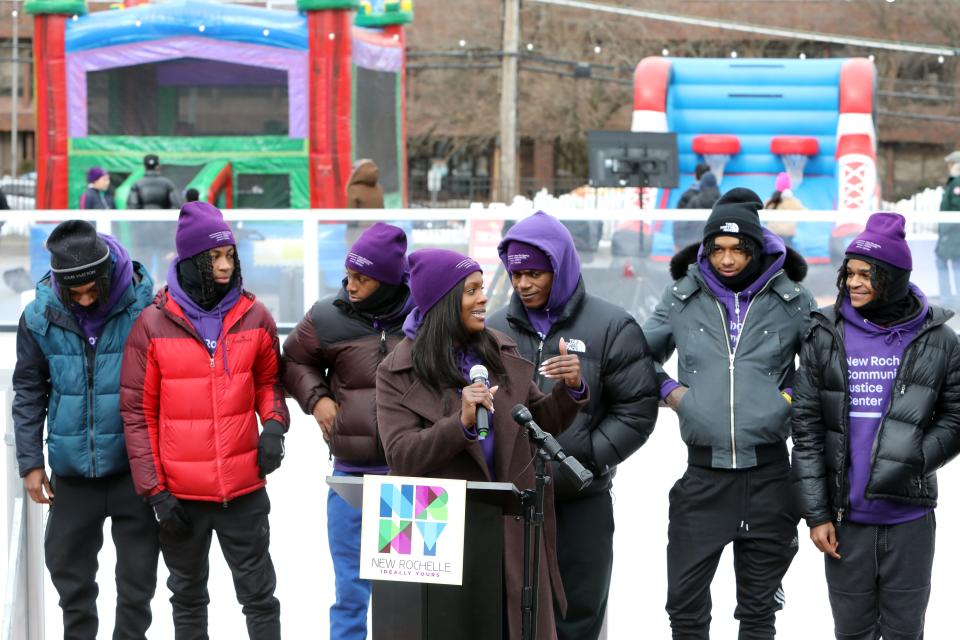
(409, 508)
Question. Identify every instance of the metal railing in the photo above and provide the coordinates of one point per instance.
(607, 273)
(20, 193)
(23, 588)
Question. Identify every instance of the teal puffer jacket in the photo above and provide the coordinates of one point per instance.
(82, 399)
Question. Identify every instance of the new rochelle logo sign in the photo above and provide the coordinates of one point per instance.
(412, 529)
(404, 505)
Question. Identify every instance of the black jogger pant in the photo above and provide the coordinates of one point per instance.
(243, 531)
(709, 508)
(74, 536)
(881, 584)
(585, 554)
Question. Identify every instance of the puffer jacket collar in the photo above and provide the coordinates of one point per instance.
(688, 280)
(171, 310)
(52, 311)
(828, 318)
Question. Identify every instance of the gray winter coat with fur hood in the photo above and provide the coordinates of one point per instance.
(733, 415)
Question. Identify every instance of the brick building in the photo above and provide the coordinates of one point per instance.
(576, 74)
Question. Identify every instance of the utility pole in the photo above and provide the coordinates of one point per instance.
(507, 185)
(15, 95)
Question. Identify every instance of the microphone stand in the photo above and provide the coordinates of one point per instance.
(548, 450)
(532, 502)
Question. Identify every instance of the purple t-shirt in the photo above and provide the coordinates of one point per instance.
(874, 355)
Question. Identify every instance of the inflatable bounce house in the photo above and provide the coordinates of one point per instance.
(254, 108)
(750, 119)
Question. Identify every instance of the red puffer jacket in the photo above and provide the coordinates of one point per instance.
(190, 420)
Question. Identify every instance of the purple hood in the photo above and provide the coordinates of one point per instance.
(208, 324)
(550, 236)
(736, 303)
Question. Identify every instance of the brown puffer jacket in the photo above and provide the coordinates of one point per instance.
(334, 352)
(363, 187)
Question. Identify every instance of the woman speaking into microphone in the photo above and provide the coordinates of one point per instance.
(427, 408)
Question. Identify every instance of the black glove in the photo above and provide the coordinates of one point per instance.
(169, 513)
(270, 450)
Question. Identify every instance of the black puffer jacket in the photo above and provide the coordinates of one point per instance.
(617, 368)
(153, 191)
(334, 352)
(919, 432)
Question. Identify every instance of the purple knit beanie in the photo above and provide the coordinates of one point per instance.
(526, 257)
(884, 239)
(201, 227)
(95, 173)
(380, 253)
(434, 272)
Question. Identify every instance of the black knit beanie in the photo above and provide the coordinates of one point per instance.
(77, 254)
(736, 214)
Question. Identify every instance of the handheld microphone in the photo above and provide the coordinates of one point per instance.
(478, 373)
(572, 467)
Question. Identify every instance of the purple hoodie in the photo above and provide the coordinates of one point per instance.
(208, 324)
(550, 236)
(736, 304)
(874, 354)
(91, 322)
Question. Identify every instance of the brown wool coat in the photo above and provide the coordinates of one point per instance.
(422, 436)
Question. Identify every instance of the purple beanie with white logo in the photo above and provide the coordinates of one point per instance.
(380, 253)
(435, 272)
(884, 239)
(526, 257)
(201, 227)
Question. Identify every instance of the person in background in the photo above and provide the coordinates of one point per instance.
(783, 199)
(96, 195)
(686, 232)
(192, 195)
(201, 365)
(876, 413)
(694, 188)
(363, 186)
(363, 192)
(330, 366)
(427, 411)
(69, 346)
(736, 314)
(153, 191)
(948, 238)
(550, 300)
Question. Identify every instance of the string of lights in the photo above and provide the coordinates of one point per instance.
(779, 32)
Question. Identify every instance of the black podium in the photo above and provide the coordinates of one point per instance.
(473, 611)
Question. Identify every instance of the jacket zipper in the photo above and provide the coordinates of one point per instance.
(842, 355)
(216, 425)
(88, 365)
(536, 365)
(732, 352)
(213, 388)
